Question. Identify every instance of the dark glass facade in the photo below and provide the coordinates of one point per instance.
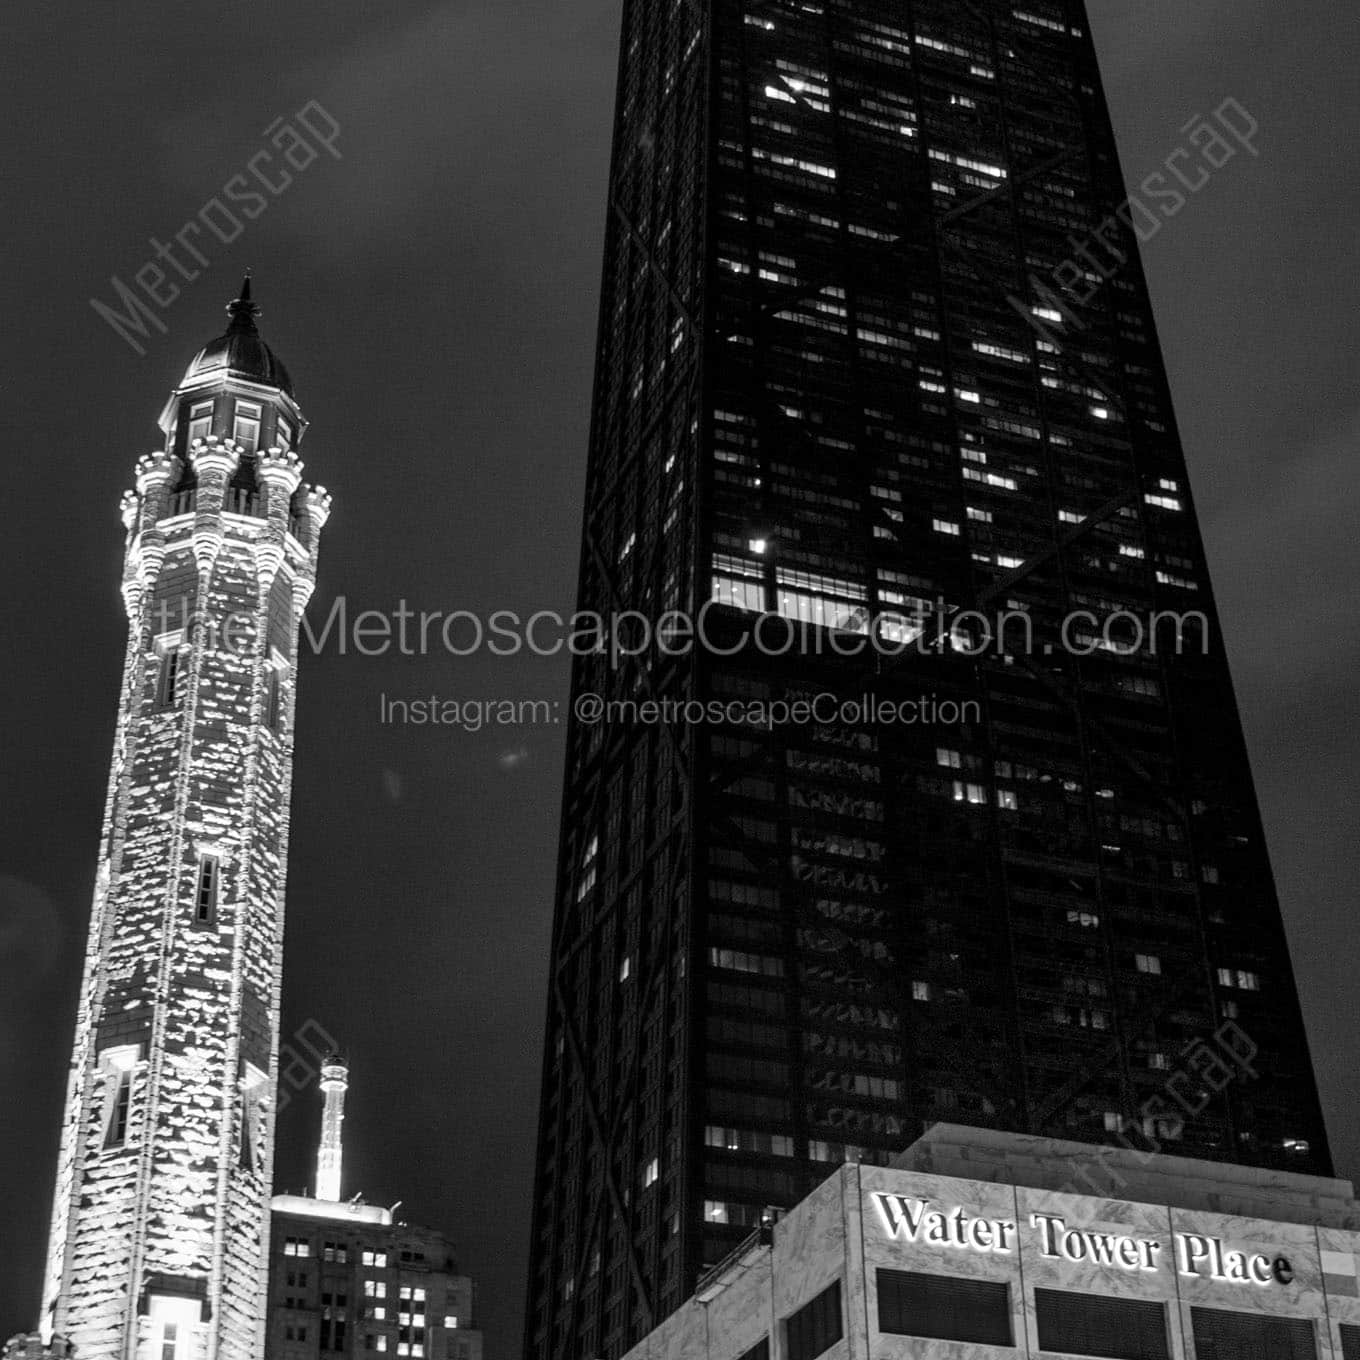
(876, 361)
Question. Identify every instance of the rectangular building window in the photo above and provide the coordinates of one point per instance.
(815, 1327)
(200, 420)
(943, 1308)
(119, 1066)
(169, 1341)
(246, 428)
(1350, 1341)
(1092, 1324)
(824, 601)
(275, 674)
(739, 583)
(1222, 1335)
(122, 1109)
(206, 889)
(170, 672)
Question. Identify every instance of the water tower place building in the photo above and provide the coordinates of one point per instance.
(978, 1245)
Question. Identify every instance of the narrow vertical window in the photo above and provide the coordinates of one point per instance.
(246, 427)
(200, 420)
(283, 434)
(169, 1341)
(169, 676)
(122, 1109)
(273, 694)
(205, 891)
(119, 1066)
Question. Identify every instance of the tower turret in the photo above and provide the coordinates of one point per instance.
(330, 1155)
(161, 1213)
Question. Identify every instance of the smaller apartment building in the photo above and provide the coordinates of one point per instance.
(346, 1281)
(978, 1245)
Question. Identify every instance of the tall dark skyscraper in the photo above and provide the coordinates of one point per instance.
(874, 336)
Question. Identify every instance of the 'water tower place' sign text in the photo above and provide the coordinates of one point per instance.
(921, 1221)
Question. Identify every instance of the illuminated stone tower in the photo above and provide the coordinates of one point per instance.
(330, 1155)
(161, 1215)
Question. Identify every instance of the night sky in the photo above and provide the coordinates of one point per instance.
(434, 293)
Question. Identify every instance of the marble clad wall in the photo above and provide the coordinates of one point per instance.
(1029, 1268)
(982, 1199)
(742, 1314)
(1117, 1217)
(688, 1339)
(1340, 1262)
(842, 1232)
(810, 1252)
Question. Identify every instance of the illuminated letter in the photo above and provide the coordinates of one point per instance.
(1049, 1225)
(898, 1216)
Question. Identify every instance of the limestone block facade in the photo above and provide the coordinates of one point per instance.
(159, 1241)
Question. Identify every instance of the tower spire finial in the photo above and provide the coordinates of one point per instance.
(330, 1155)
(242, 310)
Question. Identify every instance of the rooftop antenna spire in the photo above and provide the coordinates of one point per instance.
(330, 1155)
(242, 310)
